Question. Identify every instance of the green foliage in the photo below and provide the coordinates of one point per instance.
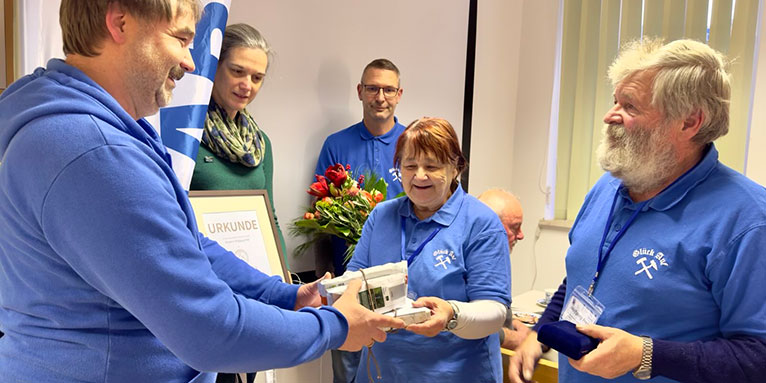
(342, 212)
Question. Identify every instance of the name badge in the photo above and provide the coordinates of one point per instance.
(582, 308)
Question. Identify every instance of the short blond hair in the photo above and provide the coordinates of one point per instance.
(688, 75)
(83, 25)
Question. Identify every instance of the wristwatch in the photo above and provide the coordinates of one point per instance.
(452, 323)
(644, 370)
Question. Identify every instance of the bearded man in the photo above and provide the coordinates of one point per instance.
(669, 240)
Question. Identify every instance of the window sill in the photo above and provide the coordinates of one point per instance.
(559, 224)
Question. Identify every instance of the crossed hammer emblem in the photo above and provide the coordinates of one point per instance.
(645, 268)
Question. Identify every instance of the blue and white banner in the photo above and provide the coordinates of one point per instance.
(180, 123)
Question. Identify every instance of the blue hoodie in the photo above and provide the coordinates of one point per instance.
(104, 276)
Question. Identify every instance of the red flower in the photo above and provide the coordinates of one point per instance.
(378, 197)
(337, 174)
(319, 188)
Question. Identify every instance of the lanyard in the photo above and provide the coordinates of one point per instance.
(602, 256)
(420, 248)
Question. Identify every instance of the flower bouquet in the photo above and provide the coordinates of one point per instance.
(340, 208)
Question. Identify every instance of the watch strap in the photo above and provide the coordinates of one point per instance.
(644, 370)
(452, 322)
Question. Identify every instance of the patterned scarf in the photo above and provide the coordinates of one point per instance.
(238, 140)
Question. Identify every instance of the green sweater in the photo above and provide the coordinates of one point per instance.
(221, 174)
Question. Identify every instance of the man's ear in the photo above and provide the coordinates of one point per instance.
(359, 91)
(115, 22)
(693, 123)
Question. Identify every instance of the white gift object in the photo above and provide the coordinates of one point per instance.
(387, 285)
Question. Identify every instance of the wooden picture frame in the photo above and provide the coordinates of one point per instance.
(8, 40)
(242, 222)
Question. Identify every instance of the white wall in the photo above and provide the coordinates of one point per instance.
(496, 73)
(755, 164)
(512, 105)
(322, 47)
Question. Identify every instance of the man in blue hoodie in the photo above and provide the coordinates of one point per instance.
(103, 273)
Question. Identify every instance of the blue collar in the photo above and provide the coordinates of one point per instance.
(387, 138)
(445, 215)
(676, 191)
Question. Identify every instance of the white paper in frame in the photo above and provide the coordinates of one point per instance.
(242, 222)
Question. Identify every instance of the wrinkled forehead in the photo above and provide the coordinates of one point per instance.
(638, 87)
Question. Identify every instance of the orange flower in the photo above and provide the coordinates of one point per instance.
(367, 196)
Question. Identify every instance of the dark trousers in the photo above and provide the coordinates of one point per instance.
(234, 378)
(344, 365)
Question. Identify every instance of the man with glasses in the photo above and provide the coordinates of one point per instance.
(368, 147)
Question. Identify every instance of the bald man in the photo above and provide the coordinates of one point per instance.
(508, 208)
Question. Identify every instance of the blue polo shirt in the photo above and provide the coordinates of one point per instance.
(365, 153)
(689, 268)
(467, 260)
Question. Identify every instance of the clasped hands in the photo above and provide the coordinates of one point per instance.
(618, 353)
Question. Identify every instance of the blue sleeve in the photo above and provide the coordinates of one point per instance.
(246, 280)
(488, 266)
(361, 257)
(128, 238)
(737, 359)
(737, 282)
(738, 356)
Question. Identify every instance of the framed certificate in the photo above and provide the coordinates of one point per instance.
(6, 19)
(242, 222)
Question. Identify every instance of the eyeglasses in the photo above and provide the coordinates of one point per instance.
(388, 91)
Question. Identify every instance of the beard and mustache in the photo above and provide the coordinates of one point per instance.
(164, 94)
(642, 158)
(147, 77)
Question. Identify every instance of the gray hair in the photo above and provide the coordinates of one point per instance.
(244, 36)
(689, 76)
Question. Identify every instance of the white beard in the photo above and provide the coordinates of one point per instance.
(642, 159)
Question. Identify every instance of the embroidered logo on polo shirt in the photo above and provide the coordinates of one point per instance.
(396, 175)
(648, 260)
(443, 258)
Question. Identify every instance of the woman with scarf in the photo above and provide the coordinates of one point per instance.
(235, 154)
